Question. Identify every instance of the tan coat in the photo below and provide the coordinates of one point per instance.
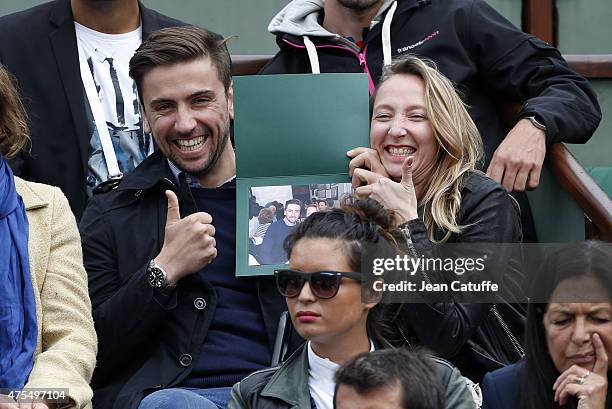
(66, 351)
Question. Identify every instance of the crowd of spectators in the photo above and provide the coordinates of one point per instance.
(117, 119)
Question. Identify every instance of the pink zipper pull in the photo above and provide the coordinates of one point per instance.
(362, 60)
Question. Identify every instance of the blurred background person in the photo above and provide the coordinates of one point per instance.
(272, 207)
(311, 208)
(254, 209)
(264, 220)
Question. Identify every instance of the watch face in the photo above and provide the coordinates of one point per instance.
(156, 277)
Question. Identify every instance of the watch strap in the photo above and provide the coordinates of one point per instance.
(534, 121)
(155, 269)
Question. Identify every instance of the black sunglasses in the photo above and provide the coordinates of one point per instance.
(323, 284)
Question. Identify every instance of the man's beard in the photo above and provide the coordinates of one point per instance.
(358, 5)
(214, 157)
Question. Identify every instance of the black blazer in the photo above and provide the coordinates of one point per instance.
(38, 46)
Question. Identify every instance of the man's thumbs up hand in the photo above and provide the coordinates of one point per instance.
(189, 243)
(174, 213)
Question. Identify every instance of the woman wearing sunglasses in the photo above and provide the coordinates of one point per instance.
(422, 165)
(322, 287)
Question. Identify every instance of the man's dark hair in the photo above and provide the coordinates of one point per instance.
(180, 44)
(293, 201)
(321, 201)
(412, 371)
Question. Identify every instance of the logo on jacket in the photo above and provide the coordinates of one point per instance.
(418, 43)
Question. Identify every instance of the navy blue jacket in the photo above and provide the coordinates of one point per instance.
(501, 389)
(272, 251)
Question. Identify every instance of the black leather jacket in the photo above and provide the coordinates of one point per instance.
(452, 329)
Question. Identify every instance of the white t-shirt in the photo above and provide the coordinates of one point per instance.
(321, 383)
(108, 57)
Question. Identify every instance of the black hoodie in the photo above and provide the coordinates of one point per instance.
(491, 61)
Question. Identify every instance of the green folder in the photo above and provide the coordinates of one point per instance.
(293, 130)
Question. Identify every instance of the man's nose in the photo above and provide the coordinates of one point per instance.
(185, 121)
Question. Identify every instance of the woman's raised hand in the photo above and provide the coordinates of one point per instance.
(365, 158)
(589, 387)
(398, 197)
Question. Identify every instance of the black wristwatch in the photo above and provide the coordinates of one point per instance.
(157, 277)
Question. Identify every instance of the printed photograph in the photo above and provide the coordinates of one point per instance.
(275, 210)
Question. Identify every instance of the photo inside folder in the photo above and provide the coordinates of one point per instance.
(291, 136)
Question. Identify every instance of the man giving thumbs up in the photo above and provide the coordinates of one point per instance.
(189, 243)
(176, 327)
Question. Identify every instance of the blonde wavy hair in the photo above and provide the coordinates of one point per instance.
(460, 145)
(13, 125)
